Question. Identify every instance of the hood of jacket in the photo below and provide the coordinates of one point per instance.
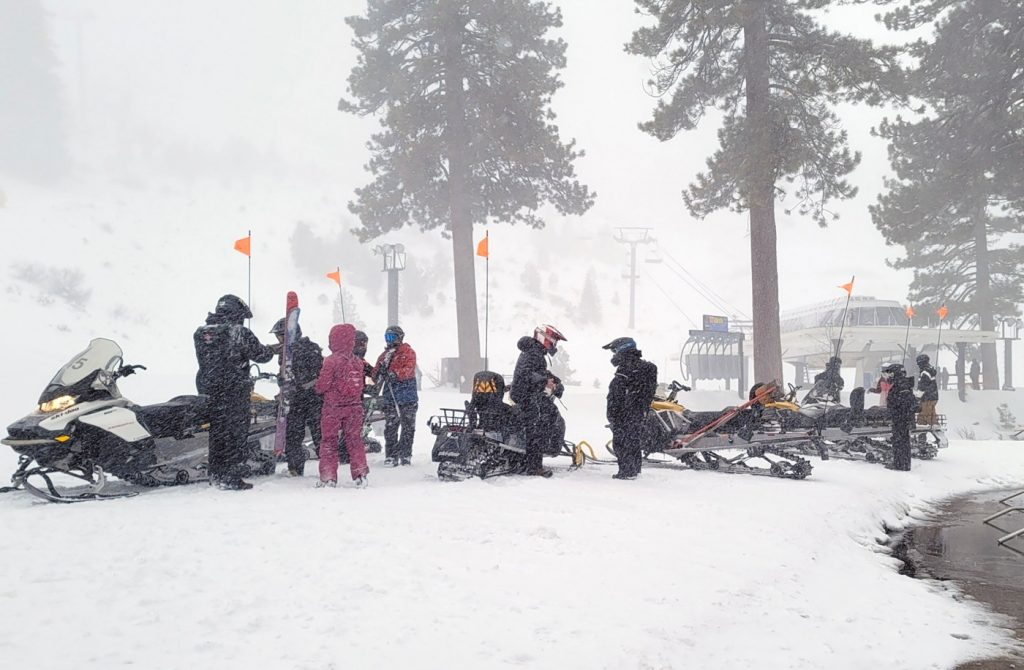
(342, 338)
(526, 343)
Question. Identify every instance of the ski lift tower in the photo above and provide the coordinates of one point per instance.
(633, 236)
(394, 262)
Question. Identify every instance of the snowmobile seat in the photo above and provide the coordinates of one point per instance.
(486, 408)
(175, 418)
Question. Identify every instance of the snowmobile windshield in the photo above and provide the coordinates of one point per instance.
(102, 355)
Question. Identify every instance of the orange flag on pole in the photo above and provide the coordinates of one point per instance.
(482, 249)
(942, 312)
(335, 277)
(848, 287)
(243, 245)
(910, 312)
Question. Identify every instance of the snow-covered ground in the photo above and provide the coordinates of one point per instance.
(676, 570)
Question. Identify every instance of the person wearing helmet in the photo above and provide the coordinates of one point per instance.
(928, 385)
(533, 387)
(395, 376)
(829, 382)
(304, 408)
(224, 349)
(902, 406)
(629, 398)
(362, 343)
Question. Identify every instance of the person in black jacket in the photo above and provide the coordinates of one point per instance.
(224, 348)
(629, 398)
(533, 390)
(304, 408)
(902, 406)
(928, 385)
(829, 382)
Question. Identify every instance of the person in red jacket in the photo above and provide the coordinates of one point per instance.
(341, 384)
(395, 376)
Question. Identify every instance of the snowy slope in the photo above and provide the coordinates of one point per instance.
(677, 570)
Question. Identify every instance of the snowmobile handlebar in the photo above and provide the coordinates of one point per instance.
(126, 370)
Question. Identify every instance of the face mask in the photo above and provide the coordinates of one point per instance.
(616, 360)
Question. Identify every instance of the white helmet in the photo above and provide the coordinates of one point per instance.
(548, 336)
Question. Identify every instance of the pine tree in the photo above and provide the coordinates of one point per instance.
(775, 74)
(32, 113)
(590, 300)
(958, 190)
(464, 90)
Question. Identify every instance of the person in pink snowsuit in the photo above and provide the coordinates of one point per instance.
(341, 384)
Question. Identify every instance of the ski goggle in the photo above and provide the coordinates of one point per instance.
(390, 338)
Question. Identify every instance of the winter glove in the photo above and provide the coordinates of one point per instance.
(277, 347)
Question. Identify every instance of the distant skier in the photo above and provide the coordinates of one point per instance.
(341, 384)
(304, 408)
(533, 390)
(224, 348)
(629, 399)
(395, 376)
(829, 382)
(927, 384)
(944, 379)
(975, 374)
(902, 406)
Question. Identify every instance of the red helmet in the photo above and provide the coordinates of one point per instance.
(548, 336)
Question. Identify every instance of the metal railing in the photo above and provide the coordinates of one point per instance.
(1009, 510)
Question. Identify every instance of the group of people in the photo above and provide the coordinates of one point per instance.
(328, 397)
(896, 390)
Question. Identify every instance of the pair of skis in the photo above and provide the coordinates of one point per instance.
(287, 375)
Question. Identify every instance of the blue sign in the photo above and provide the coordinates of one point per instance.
(716, 324)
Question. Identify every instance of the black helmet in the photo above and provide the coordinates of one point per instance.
(281, 325)
(922, 360)
(232, 308)
(361, 343)
(894, 369)
(835, 362)
(620, 344)
(394, 335)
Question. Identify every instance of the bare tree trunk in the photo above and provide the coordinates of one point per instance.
(983, 302)
(760, 195)
(461, 221)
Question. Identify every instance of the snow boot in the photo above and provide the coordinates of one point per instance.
(362, 482)
(326, 484)
(619, 475)
(540, 472)
(405, 461)
(391, 462)
(231, 484)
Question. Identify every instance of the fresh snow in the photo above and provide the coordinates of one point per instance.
(678, 569)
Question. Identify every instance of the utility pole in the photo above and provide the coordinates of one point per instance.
(394, 262)
(633, 236)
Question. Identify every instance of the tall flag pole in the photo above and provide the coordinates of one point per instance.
(336, 278)
(244, 246)
(848, 287)
(942, 312)
(483, 249)
(906, 339)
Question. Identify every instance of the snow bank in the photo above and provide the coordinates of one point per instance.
(678, 569)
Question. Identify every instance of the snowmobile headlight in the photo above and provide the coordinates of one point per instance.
(57, 404)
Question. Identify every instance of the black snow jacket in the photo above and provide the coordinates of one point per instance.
(927, 383)
(901, 401)
(307, 359)
(631, 390)
(223, 350)
(830, 381)
(531, 374)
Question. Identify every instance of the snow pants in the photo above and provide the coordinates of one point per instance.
(901, 443)
(399, 445)
(927, 416)
(627, 440)
(304, 411)
(540, 417)
(229, 433)
(333, 420)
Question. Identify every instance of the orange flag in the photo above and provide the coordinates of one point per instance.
(942, 312)
(848, 287)
(910, 312)
(482, 248)
(335, 277)
(242, 245)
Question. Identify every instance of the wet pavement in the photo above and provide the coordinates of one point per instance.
(958, 546)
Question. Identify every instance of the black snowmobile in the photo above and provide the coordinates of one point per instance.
(85, 429)
(486, 438)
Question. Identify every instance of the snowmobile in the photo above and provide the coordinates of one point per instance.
(727, 441)
(486, 438)
(85, 429)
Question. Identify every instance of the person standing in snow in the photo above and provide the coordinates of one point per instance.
(629, 398)
(882, 387)
(927, 384)
(533, 391)
(224, 348)
(975, 375)
(341, 384)
(304, 408)
(829, 382)
(902, 407)
(395, 376)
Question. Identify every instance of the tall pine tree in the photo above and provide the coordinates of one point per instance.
(775, 73)
(464, 89)
(957, 189)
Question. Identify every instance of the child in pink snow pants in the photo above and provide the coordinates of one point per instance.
(341, 384)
